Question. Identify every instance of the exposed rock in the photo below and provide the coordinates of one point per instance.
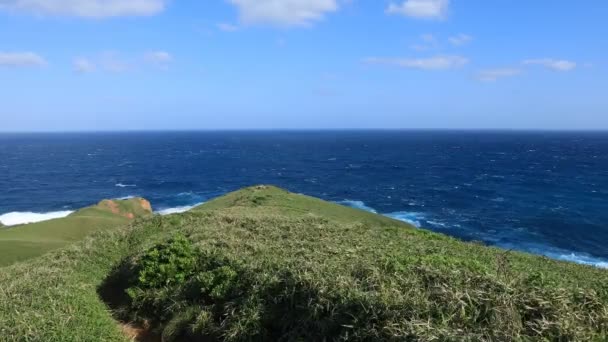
(130, 208)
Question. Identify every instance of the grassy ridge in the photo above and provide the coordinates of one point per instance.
(268, 200)
(264, 264)
(23, 242)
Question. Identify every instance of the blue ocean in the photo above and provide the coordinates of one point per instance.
(539, 192)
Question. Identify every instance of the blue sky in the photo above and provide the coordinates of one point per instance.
(241, 64)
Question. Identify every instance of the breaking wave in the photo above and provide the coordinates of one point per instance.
(121, 185)
(17, 218)
(177, 210)
(358, 205)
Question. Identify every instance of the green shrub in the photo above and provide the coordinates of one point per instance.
(218, 283)
(167, 264)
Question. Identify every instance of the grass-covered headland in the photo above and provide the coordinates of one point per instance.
(24, 242)
(262, 264)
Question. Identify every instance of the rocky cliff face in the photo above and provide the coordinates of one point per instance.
(129, 208)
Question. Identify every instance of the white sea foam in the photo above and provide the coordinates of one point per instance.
(177, 210)
(412, 218)
(437, 224)
(358, 205)
(16, 218)
(557, 253)
(121, 185)
(580, 259)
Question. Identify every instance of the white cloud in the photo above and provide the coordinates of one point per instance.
(284, 12)
(158, 57)
(491, 75)
(86, 8)
(460, 39)
(112, 61)
(431, 63)
(21, 59)
(226, 27)
(84, 65)
(424, 9)
(555, 64)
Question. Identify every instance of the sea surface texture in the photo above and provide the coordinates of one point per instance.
(545, 193)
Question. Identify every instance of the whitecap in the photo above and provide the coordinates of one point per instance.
(437, 224)
(581, 259)
(358, 205)
(120, 185)
(412, 218)
(16, 218)
(557, 253)
(177, 210)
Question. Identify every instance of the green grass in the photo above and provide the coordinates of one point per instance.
(269, 200)
(23, 242)
(263, 264)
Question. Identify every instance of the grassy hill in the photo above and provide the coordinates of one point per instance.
(262, 264)
(22, 242)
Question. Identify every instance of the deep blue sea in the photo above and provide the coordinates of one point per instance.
(545, 193)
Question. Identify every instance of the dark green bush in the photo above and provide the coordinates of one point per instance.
(167, 264)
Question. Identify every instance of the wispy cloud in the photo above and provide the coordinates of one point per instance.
(428, 37)
(423, 9)
(86, 8)
(460, 39)
(159, 58)
(226, 27)
(431, 63)
(83, 65)
(284, 12)
(554, 64)
(115, 62)
(492, 75)
(21, 59)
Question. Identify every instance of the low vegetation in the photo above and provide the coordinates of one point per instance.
(263, 264)
(18, 243)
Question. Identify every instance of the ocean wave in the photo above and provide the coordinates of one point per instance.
(177, 210)
(412, 218)
(358, 205)
(557, 253)
(17, 218)
(121, 185)
(126, 197)
(437, 224)
(582, 259)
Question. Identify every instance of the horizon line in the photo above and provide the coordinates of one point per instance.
(211, 130)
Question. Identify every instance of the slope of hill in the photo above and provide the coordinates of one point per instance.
(22, 242)
(262, 264)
